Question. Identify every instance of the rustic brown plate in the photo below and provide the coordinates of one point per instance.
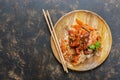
(93, 20)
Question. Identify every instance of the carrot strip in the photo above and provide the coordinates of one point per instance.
(63, 46)
(79, 22)
(76, 58)
(76, 27)
(89, 27)
(83, 31)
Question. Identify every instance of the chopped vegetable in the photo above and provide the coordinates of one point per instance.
(77, 27)
(83, 32)
(63, 45)
(97, 44)
(79, 22)
(92, 47)
(89, 27)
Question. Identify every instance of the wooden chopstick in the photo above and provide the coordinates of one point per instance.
(52, 31)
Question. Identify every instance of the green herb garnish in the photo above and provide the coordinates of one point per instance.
(95, 46)
(92, 47)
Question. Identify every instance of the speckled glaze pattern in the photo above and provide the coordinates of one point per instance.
(25, 51)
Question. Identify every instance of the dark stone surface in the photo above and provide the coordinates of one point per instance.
(25, 52)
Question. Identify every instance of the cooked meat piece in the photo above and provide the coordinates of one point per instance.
(85, 40)
(79, 48)
(79, 43)
(74, 43)
(88, 51)
(86, 35)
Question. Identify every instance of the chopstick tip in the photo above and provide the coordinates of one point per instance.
(43, 10)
